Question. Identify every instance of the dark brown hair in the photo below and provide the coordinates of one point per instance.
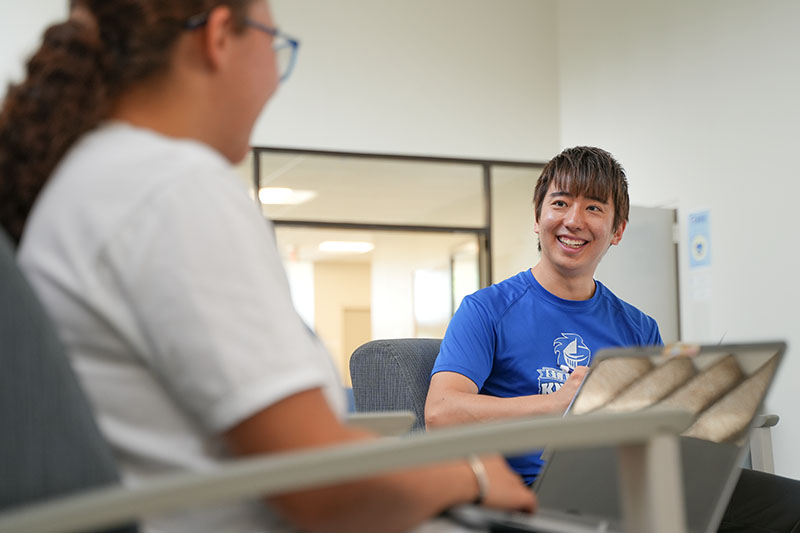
(72, 80)
(586, 171)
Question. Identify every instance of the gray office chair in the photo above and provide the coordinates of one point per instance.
(51, 445)
(394, 374)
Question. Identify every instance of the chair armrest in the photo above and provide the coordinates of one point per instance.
(765, 421)
(761, 457)
(284, 472)
(384, 423)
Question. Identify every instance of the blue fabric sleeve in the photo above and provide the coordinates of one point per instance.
(655, 335)
(469, 344)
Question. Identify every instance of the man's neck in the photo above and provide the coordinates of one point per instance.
(579, 287)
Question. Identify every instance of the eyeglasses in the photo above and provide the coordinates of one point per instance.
(285, 46)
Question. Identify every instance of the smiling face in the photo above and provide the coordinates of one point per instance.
(581, 203)
(574, 233)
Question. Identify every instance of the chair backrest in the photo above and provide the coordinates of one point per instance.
(394, 374)
(50, 443)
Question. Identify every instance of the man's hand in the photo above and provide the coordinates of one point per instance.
(564, 395)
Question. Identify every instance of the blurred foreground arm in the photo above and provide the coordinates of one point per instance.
(392, 502)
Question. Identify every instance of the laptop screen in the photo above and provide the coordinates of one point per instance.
(723, 385)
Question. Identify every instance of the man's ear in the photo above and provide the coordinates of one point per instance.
(536, 226)
(618, 232)
(217, 36)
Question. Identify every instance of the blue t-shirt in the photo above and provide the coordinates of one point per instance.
(515, 339)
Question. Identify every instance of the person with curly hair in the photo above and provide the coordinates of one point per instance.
(162, 276)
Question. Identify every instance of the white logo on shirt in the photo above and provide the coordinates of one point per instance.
(570, 351)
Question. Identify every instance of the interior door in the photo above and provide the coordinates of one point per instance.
(643, 268)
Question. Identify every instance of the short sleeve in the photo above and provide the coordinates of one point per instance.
(469, 344)
(654, 334)
(199, 268)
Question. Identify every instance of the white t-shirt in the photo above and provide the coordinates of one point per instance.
(166, 286)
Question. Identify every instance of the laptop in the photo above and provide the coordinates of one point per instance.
(722, 385)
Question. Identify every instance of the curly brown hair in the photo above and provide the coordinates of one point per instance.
(72, 80)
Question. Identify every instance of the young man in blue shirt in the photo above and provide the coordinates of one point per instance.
(522, 346)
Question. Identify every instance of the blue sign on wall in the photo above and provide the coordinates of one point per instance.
(699, 239)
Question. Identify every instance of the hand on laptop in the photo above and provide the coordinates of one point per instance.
(506, 490)
(563, 396)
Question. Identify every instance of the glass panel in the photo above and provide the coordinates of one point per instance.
(465, 267)
(514, 243)
(375, 191)
(402, 287)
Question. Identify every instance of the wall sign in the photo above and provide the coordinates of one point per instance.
(699, 239)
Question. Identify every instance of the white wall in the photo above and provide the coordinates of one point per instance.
(699, 102)
(468, 78)
(448, 77)
(21, 25)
